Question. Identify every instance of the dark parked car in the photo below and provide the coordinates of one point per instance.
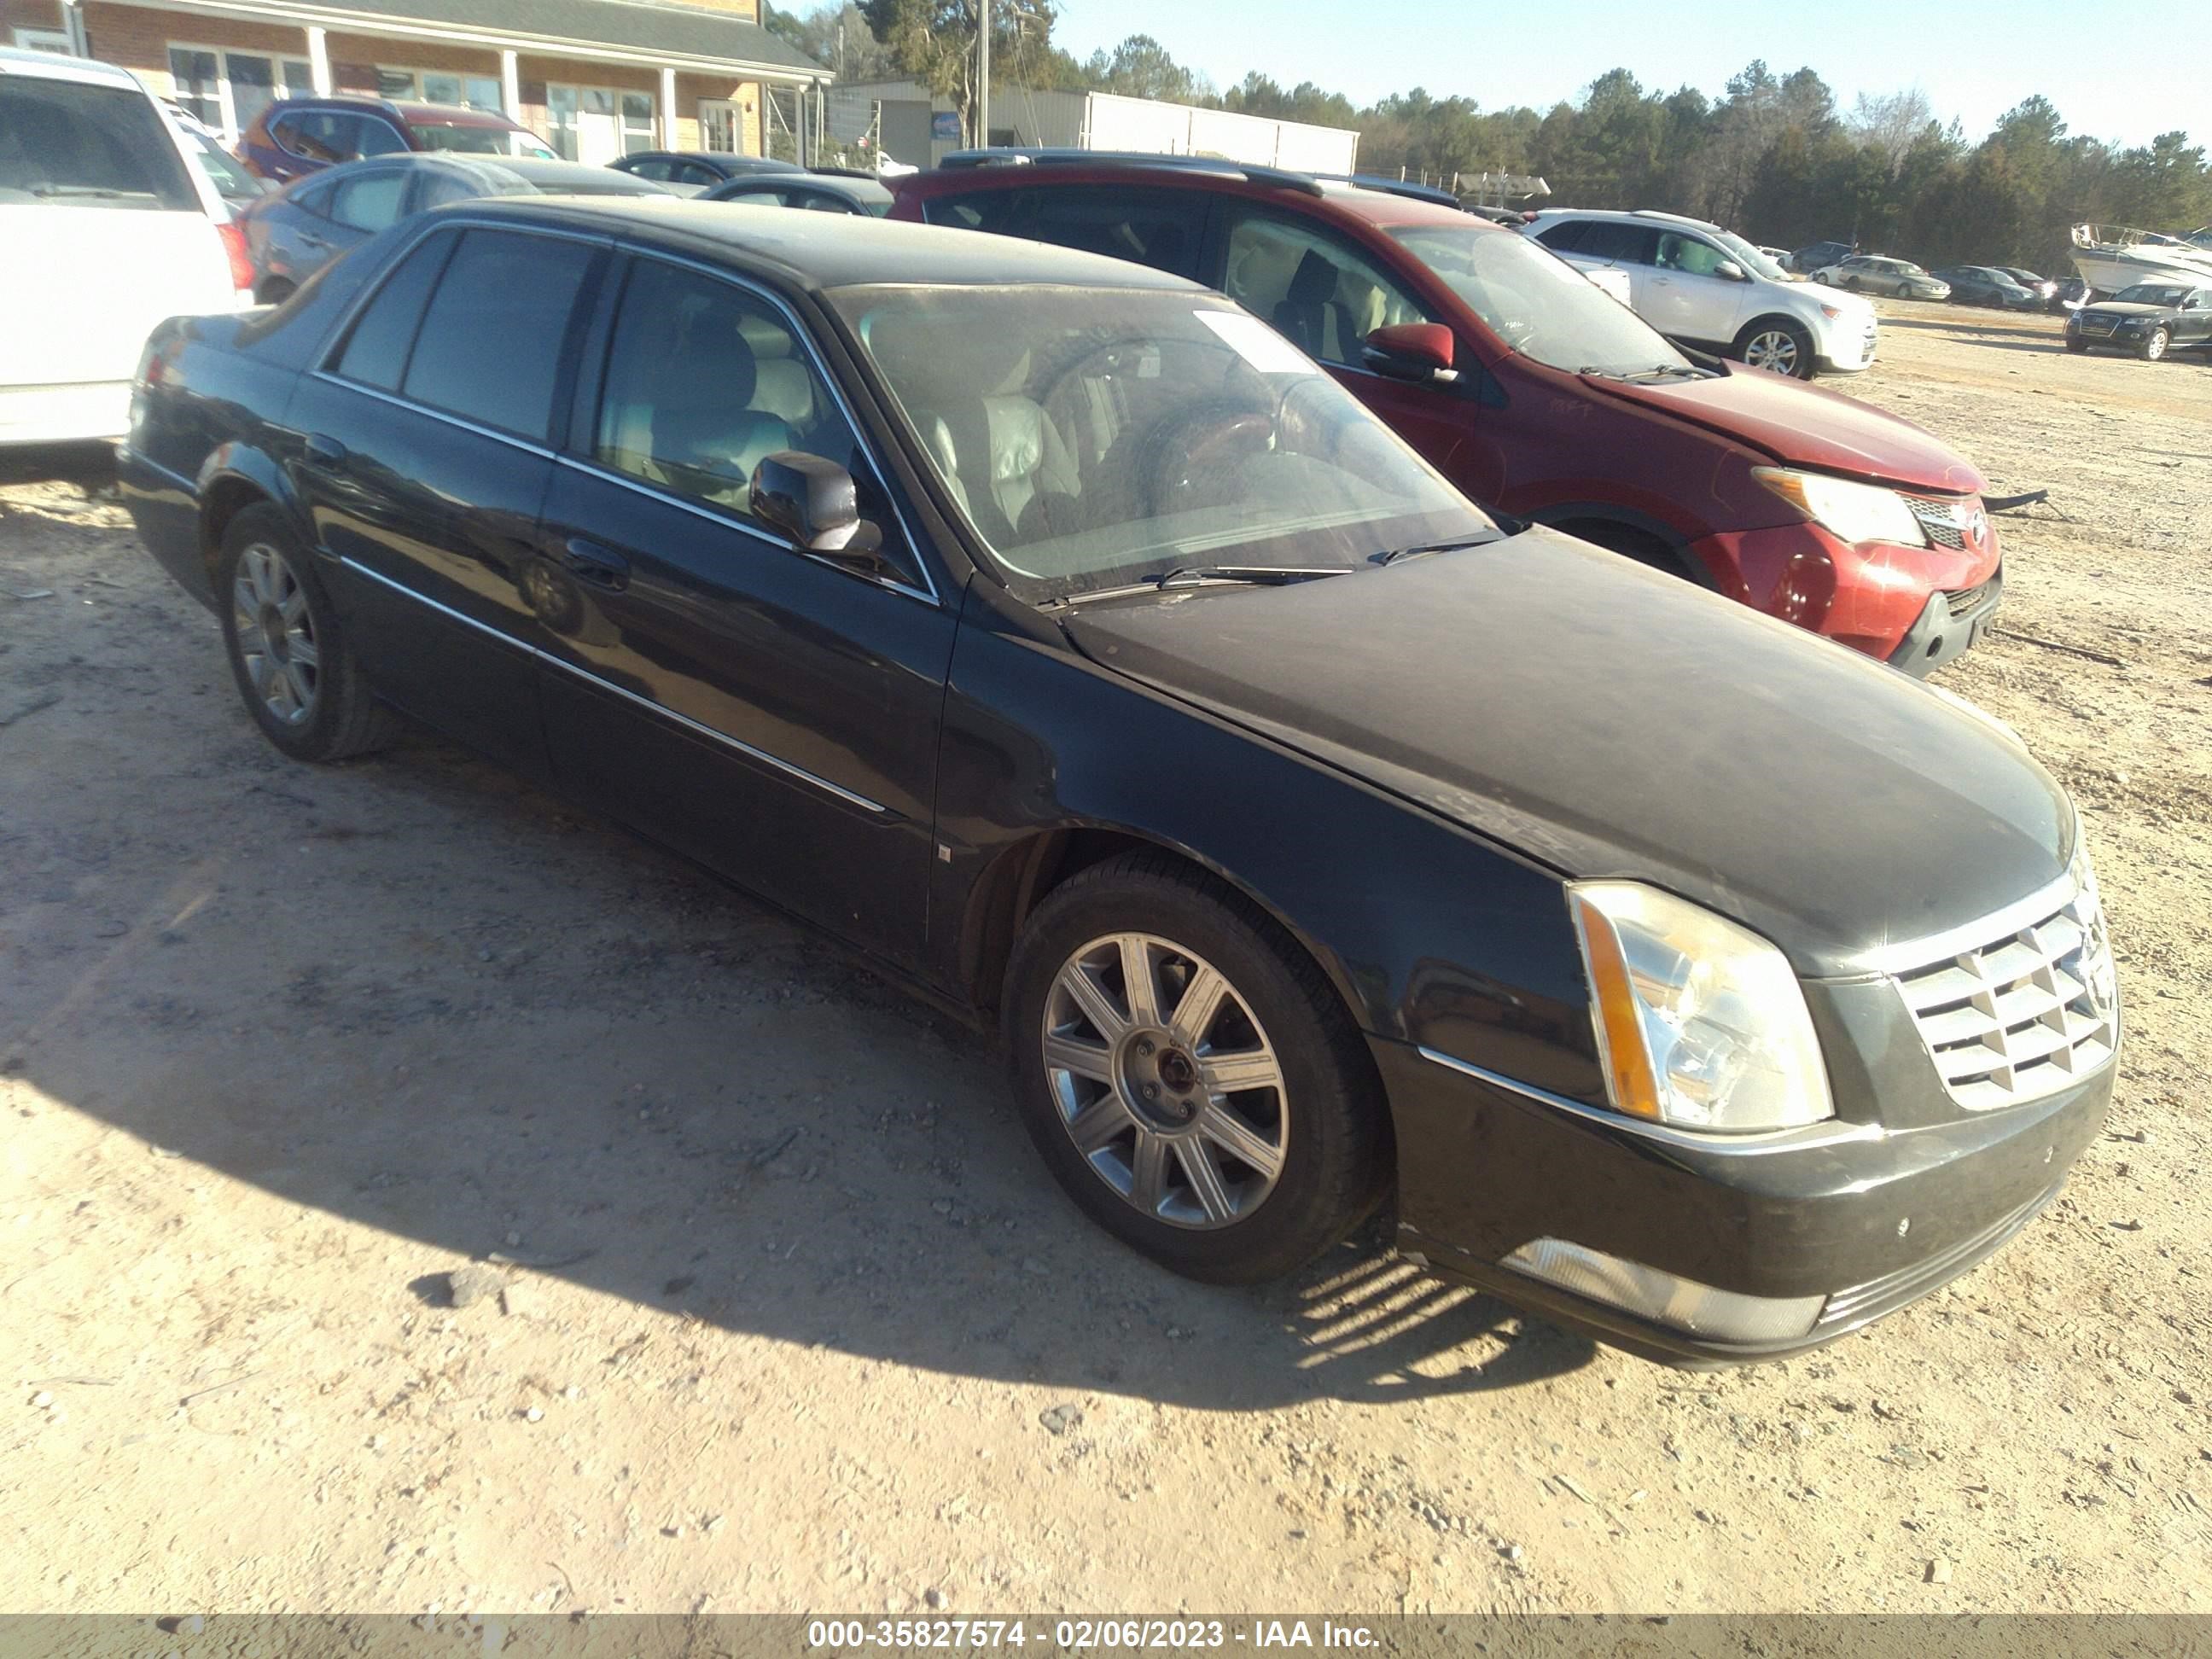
(1985, 285)
(821, 192)
(690, 171)
(292, 234)
(1807, 260)
(295, 137)
(2149, 319)
(1541, 397)
(1060, 635)
(2043, 287)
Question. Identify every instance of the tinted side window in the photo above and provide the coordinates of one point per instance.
(316, 198)
(1692, 255)
(1567, 238)
(371, 200)
(376, 351)
(320, 135)
(758, 198)
(378, 137)
(491, 343)
(653, 169)
(1628, 244)
(1155, 227)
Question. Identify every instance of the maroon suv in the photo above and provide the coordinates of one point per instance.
(1540, 396)
(295, 137)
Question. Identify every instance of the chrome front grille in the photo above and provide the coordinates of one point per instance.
(1941, 518)
(2022, 1014)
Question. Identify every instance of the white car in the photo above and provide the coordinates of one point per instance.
(1706, 287)
(110, 227)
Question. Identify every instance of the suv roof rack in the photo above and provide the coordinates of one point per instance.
(1026, 155)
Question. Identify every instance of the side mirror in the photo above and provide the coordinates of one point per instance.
(813, 503)
(1411, 351)
(1731, 272)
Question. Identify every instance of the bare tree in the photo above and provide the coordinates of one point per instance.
(1889, 125)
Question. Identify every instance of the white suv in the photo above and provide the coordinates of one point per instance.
(109, 228)
(1706, 287)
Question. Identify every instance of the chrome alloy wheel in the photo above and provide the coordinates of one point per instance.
(276, 634)
(1164, 1080)
(1773, 349)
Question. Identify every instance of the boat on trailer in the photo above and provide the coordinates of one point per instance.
(2112, 257)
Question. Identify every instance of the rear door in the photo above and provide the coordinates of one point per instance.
(103, 232)
(429, 434)
(773, 716)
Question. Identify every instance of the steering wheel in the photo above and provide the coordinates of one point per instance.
(1200, 441)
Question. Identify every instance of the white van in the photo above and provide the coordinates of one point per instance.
(108, 228)
(1697, 283)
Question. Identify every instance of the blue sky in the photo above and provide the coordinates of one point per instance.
(2093, 58)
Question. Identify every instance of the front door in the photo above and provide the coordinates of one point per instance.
(1690, 299)
(771, 714)
(427, 449)
(1328, 297)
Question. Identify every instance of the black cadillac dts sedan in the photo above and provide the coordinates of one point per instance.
(1055, 634)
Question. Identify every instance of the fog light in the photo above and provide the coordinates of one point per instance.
(1724, 1315)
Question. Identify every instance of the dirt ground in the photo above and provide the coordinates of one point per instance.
(794, 1319)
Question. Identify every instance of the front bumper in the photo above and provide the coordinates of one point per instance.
(1949, 625)
(1866, 1218)
(1868, 595)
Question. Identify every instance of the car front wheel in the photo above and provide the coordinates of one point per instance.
(1189, 1075)
(1776, 348)
(289, 654)
(2155, 345)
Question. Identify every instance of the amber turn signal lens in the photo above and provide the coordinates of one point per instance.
(1619, 1032)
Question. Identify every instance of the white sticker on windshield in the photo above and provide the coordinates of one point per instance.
(1256, 343)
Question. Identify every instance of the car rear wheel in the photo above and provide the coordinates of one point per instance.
(1853, 284)
(299, 679)
(1776, 347)
(1189, 1074)
(2077, 345)
(2155, 345)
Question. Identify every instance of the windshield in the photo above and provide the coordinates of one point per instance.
(1537, 303)
(472, 140)
(2148, 293)
(65, 143)
(1748, 256)
(1099, 438)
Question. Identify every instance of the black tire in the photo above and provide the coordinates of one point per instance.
(1336, 1163)
(2077, 345)
(2155, 345)
(1761, 333)
(329, 713)
(1852, 284)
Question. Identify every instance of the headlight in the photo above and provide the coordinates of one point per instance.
(1700, 1024)
(1855, 512)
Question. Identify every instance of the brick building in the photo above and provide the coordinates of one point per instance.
(595, 78)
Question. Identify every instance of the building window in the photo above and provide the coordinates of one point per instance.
(718, 127)
(440, 86)
(44, 40)
(596, 124)
(227, 90)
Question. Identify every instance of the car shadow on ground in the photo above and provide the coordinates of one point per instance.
(417, 994)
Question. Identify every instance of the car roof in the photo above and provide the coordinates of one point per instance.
(1080, 168)
(1630, 216)
(823, 251)
(458, 115)
(830, 184)
(557, 177)
(53, 66)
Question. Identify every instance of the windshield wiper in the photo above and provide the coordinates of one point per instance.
(1258, 576)
(1391, 555)
(1664, 372)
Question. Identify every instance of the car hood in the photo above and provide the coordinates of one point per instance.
(1615, 723)
(2128, 308)
(1809, 426)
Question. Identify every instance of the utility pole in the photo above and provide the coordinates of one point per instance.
(983, 72)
